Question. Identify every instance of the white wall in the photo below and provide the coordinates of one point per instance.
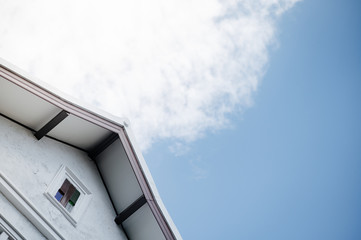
(31, 165)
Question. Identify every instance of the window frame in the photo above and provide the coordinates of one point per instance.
(74, 215)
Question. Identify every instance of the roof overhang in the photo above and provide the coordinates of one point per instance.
(48, 112)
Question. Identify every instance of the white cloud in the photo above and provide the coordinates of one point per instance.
(179, 149)
(175, 68)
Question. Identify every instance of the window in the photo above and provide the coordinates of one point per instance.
(68, 194)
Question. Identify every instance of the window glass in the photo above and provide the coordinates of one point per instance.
(67, 195)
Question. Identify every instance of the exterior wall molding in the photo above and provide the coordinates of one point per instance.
(8, 231)
(24, 206)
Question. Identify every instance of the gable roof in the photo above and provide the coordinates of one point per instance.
(48, 112)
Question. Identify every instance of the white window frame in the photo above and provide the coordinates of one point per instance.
(82, 202)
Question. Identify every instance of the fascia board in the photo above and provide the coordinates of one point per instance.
(150, 181)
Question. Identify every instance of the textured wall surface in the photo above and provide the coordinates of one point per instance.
(31, 165)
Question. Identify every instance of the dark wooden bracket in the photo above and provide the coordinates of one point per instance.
(130, 210)
(103, 145)
(51, 124)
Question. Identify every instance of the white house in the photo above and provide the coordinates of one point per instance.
(70, 172)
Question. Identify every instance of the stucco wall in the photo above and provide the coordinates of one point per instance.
(31, 165)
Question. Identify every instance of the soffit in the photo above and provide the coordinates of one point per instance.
(118, 176)
(23, 106)
(79, 132)
(142, 225)
(34, 112)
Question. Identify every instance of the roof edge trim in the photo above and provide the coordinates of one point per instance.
(147, 185)
(60, 99)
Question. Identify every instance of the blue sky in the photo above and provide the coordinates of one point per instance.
(248, 111)
(290, 166)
